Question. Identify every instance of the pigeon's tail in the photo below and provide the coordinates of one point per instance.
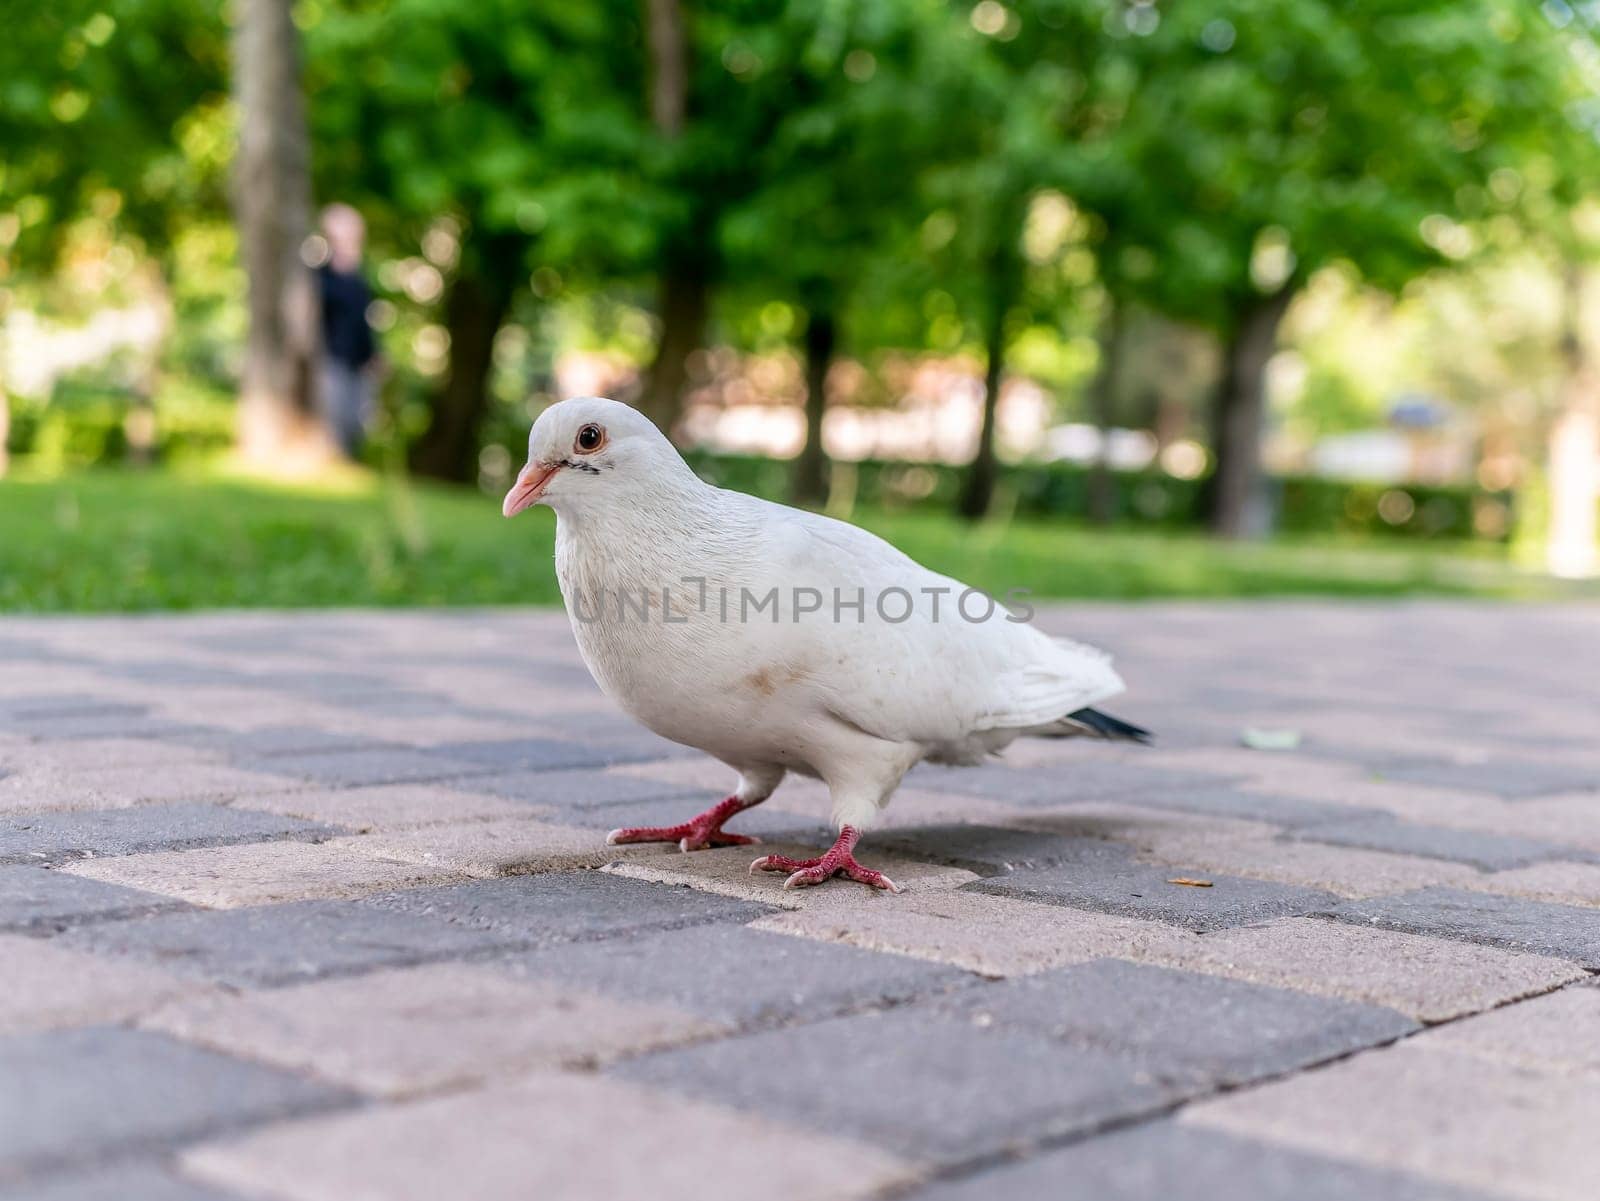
(1094, 724)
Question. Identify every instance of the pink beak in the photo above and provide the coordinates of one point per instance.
(529, 487)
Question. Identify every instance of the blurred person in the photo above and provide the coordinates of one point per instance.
(350, 362)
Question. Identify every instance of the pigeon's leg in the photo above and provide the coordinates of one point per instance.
(838, 861)
(705, 829)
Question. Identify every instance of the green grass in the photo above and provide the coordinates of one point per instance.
(125, 540)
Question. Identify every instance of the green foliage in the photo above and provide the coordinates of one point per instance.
(118, 540)
(1150, 499)
(113, 109)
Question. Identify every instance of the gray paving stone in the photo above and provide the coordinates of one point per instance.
(535, 754)
(369, 765)
(1141, 890)
(1565, 931)
(279, 740)
(1493, 852)
(1089, 780)
(911, 1081)
(116, 722)
(762, 822)
(1503, 777)
(562, 906)
(37, 898)
(125, 1182)
(1180, 1025)
(109, 1089)
(998, 850)
(580, 789)
(47, 707)
(1287, 811)
(734, 974)
(82, 833)
(280, 944)
(1162, 1161)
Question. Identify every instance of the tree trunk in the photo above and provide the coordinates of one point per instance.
(669, 65)
(1239, 506)
(476, 307)
(1102, 486)
(278, 428)
(1574, 453)
(811, 468)
(684, 302)
(978, 490)
(683, 298)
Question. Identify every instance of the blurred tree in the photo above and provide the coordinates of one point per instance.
(1244, 145)
(109, 113)
(513, 133)
(826, 210)
(272, 194)
(683, 295)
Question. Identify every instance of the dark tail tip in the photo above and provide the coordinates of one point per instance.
(1106, 726)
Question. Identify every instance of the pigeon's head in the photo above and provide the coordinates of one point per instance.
(591, 452)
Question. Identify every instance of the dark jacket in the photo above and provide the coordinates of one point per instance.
(346, 336)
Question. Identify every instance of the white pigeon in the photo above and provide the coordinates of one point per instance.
(778, 640)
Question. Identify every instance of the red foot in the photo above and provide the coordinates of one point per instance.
(693, 835)
(838, 861)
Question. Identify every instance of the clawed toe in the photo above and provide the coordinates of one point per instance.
(805, 873)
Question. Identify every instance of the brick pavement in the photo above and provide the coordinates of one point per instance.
(317, 907)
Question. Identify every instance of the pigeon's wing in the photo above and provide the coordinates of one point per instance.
(932, 677)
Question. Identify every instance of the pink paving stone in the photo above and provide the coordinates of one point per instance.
(554, 1138)
(421, 1029)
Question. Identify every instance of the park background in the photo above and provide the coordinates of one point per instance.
(1094, 297)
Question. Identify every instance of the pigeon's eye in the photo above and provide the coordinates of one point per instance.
(590, 439)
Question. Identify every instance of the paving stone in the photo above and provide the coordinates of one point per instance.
(1564, 931)
(1344, 871)
(993, 936)
(562, 906)
(1000, 850)
(726, 871)
(80, 834)
(1183, 1026)
(1456, 1118)
(1140, 890)
(938, 1088)
(393, 806)
(415, 1030)
(1247, 805)
(87, 754)
(1089, 780)
(267, 741)
(48, 985)
(735, 975)
(1159, 1161)
(115, 787)
(1489, 851)
(766, 822)
(581, 789)
(1559, 883)
(38, 898)
(1431, 979)
(501, 847)
(125, 1182)
(517, 1142)
(113, 1089)
(273, 945)
(1503, 777)
(534, 754)
(1558, 1032)
(262, 873)
(373, 765)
